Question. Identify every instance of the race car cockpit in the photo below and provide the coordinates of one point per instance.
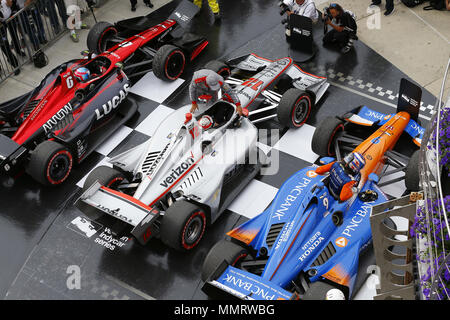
(218, 114)
(97, 67)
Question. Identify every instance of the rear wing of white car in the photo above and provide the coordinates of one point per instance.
(122, 207)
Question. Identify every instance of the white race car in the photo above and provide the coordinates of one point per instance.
(179, 181)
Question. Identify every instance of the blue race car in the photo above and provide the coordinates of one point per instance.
(307, 243)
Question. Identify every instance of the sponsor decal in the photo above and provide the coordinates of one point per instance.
(157, 160)
(38, 109)
(58, 116)
(304, 32)
(311, 245)
(113, 103)
(357, 219)
(373, 114)
(285, 234)
(114, 213)
(411, 101)
(81, 147)
(178, 171)
(107, 240)
(255, 289)
(341, 242)
(293, 195)
(84, 227)
(311, 174)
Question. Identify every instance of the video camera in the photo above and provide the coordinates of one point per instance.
(91, 3)
(326, 16)
(284, 9)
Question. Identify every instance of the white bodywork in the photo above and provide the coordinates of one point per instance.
(172, 160)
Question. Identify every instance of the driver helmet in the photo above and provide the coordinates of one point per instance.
(206, 122)
(213, 82)
(357, 163)
(82, 74)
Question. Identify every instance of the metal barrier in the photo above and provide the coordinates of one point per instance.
(28, 31)
(394, 248)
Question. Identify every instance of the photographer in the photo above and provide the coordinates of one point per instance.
(306, 8)
(344, 27)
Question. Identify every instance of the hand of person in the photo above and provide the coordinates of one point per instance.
(194, 107)
(288, 13)
(239, 110)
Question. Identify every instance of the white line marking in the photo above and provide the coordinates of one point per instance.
(372, 98)
(130, 288)
(429, 25)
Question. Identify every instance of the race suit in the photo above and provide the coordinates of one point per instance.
(212, 4)
(341, 183)
(199, 89)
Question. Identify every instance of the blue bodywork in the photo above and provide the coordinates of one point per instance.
(308, 237)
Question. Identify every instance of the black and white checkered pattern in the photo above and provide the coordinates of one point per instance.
(294, 145)
(391, 96)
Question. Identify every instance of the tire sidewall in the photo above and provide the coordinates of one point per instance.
(294, 108)
(198, 213)
(170, 55)
(219, 67)
(69, 158)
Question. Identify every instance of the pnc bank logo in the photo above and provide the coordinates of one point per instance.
(341, 242)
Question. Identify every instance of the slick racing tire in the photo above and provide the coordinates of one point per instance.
(412, 178)
(294, 108)
(219, 67)
(106, 176)
(223, 250)
(325, 135)
(183, 225)
(169, 63)
(50, 163)
(98, 36)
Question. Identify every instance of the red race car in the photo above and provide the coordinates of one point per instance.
(55, 126)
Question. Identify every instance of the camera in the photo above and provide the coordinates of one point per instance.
(91, 3)
(326, 14)
(284, 8)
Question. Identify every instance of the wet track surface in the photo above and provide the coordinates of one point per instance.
(38, 241)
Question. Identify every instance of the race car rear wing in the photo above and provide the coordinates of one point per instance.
(409, 99)
(123, 207)
(184, 13)
(11, 154)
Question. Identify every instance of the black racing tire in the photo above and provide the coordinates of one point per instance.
(50, 163)
(229, 251)
(169, 63)
(219, 67)
(106, 176)
(412, 177)
(294, 108)
(183, 225)
(98, 35)
(324, 137)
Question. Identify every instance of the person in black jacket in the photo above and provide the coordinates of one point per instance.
(148, 3)
(344, 28)
(389, 6)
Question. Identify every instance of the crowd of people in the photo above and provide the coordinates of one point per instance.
(23, 20)
(22, 24)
